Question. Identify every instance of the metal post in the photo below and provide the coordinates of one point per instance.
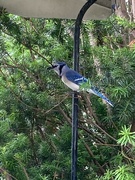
(74, 97)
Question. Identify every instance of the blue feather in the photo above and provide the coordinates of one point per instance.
(75, 77)
(99, 94)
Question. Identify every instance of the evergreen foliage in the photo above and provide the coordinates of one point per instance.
(35, 106)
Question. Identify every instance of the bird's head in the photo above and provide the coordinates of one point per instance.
(58, 67)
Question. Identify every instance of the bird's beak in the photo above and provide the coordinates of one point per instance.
(49, 68)
(52, 67)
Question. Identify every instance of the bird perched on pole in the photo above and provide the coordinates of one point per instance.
(74, 80)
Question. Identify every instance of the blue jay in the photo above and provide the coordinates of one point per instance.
(74, 80)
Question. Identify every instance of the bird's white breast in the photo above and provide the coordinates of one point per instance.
(70, 84)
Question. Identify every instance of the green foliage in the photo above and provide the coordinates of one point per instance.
(126, 136)
(85, 86)
(35, 106)
(122, 173)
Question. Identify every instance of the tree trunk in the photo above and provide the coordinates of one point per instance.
(121, 9)
(133, 10)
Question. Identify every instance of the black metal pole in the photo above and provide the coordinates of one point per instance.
(74, 97)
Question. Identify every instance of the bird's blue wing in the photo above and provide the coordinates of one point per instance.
(78, 79)
(75, 77)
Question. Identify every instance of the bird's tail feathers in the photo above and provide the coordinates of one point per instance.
(99, 94)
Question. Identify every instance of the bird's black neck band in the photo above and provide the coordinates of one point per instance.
(60, 68)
